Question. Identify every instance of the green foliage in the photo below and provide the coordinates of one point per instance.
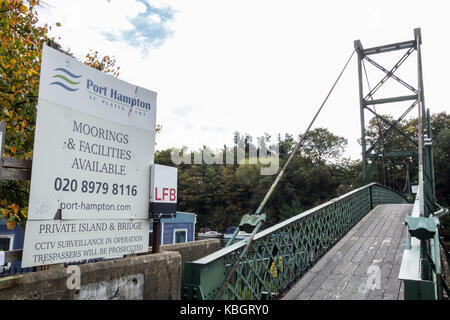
(445, 231)
(391, 171)
(20, 49)
(441, 153)
(21, 42)
(220, 194)
(321, 145)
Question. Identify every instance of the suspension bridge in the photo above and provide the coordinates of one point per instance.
(371, 243)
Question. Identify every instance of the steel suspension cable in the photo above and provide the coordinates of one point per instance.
(274, 184)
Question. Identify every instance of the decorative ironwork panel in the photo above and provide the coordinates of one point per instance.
(279, 255)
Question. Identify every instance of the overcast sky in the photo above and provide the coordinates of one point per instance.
(256, 66)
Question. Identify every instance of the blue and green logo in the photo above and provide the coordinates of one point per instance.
(66, 79)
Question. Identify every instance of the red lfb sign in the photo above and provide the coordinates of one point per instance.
(166, 195)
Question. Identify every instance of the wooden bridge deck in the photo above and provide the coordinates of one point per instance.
(349, 270)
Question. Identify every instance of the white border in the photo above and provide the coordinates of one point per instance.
(11, 241)
(11, 246)
(173, 235)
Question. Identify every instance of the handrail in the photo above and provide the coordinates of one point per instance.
(280, 254)
(420, 269)
(265, 232)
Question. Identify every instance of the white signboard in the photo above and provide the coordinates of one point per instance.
(163, 191)
(414, 189)
(94, 144)
(51, 242)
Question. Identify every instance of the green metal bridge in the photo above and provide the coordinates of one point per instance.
(370, 243)
(356, 246)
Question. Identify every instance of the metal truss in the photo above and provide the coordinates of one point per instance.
(369, 153)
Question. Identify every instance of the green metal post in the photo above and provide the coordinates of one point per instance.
(359, 48)
(427, 179)
(431, 164)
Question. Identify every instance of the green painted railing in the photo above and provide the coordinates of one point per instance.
(421, 270)
(279, 255)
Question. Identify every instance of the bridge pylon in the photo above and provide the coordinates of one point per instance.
(421, 147)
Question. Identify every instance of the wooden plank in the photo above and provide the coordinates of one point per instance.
(341, 276)
(389, 257)
(10, 281)
(368, 222)
(300, 286)
(11, 168)
(319, 294)
(338, 282)
(330, 258)
(362, 236)
(347, 281)
(394, 283)
(15, 174)
(342, 281)
(307, 286)
(355, 279)
(299, 290)
(375, 240)
(305, 294)
(386, 266)
(366, 286)
(363, 292)
(320, 277)
(378, 241)
(17, 163)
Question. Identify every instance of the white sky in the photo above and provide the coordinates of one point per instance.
(258, 66)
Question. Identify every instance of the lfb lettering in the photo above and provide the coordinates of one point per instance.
(168, 194)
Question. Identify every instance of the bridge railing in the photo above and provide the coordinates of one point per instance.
(421, 262)
(279, 255)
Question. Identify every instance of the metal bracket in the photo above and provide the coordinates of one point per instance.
(252, 219)
(422, 228)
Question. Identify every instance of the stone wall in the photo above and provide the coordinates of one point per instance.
(144, 276)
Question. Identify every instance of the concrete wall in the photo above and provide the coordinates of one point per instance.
(194, 251)
(145, 276)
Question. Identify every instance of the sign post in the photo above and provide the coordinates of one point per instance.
(94, 144)
(156, 235)
(163, 198)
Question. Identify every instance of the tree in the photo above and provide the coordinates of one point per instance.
(321, 146)
(441, 153)
(220, 194)
(20, 50)
(391, 171)
(105, 64)
(21, 42)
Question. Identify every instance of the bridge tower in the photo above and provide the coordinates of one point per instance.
(421, 151)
